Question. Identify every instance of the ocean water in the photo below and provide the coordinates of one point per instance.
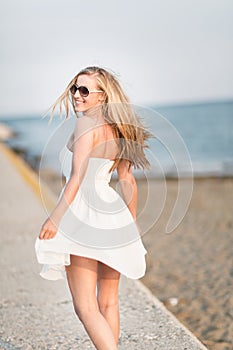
(191, 139)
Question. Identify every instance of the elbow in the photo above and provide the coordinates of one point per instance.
(125, 174)
(130, 177)
(128, 181)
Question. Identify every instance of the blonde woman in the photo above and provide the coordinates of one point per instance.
(91, 237)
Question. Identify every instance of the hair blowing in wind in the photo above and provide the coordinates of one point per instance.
(129, 130)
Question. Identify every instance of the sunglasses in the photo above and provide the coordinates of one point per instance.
(83, 90)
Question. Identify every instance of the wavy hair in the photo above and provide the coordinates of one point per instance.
(130, 133)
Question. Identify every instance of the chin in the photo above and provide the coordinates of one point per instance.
(80, 109)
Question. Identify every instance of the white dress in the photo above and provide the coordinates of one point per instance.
(97, 225)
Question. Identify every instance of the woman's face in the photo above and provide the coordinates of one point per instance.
(83, 104)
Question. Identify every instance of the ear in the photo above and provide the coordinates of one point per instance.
(102, 97)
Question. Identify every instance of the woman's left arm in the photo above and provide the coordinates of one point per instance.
(128, 186)
(82, 147)
(129, 189)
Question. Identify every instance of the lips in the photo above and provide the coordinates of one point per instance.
(79, 102)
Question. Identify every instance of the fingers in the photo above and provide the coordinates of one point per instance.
(47, 233)
(42, 233)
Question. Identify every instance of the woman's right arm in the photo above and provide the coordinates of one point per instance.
(82, 147)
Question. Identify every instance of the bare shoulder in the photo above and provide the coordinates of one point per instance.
(84, 125)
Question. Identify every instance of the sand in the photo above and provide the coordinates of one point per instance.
(191, 270)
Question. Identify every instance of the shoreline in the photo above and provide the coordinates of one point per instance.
(31, 152)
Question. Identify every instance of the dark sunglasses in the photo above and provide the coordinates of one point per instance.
(83, 90)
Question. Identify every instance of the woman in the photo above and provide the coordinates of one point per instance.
(92, 236)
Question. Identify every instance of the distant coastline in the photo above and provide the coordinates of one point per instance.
(206, 128)
(191, 103)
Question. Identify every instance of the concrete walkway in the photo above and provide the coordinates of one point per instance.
(38, 314)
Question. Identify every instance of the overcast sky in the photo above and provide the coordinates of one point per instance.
(164, 51)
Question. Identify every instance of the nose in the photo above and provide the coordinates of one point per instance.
(77, 94)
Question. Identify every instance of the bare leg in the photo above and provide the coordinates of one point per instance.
(108, 283)
(82, 279)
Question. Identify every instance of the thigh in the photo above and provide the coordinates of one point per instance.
(82, 278)
(107, 282)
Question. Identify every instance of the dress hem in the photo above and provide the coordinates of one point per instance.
(57, 271)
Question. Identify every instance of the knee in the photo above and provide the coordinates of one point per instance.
(106, 304)
(85, 311)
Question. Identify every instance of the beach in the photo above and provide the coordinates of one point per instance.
(190, 270)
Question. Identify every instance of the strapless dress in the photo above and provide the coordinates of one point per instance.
(97, 225)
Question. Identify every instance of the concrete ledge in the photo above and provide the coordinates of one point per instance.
(38, 314)
(30, 177)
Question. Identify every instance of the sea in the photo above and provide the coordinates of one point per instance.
(192, 139)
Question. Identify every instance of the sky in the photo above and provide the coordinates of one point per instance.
(163, 51)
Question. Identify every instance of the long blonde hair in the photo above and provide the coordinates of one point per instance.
(128, 129)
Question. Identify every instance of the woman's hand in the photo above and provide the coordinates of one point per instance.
(48, 230)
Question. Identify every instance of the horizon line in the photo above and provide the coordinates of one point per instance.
(150, 105)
